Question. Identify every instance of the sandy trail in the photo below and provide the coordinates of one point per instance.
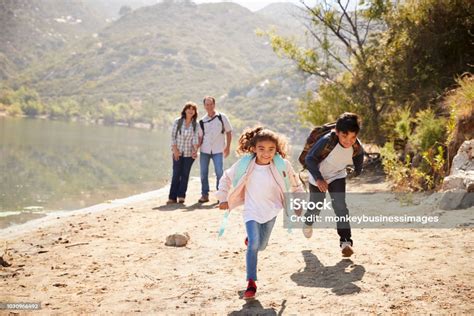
(115, 261)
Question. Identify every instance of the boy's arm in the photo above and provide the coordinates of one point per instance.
(358, 162)
(313, 158)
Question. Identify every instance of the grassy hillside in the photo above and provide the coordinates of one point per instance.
(32, 29)
(145, 65)
(111, 8)
(166, 52)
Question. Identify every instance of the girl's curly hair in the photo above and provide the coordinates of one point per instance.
(251, 136)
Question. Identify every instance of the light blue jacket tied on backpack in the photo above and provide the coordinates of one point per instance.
(232, 184)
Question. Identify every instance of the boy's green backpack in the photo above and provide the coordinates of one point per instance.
(314, 136)
(244, 162)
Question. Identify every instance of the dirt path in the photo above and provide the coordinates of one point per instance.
(116, 261)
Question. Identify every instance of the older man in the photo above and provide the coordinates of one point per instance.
(215, 135)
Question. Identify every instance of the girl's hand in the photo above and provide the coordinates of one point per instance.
(322, 185)
(194, 155)
(298, 211)
(176, 154)
(223, 206)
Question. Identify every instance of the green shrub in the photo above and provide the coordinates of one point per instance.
(424, 166)
(14, 110)
(32, 108)
(429, 131)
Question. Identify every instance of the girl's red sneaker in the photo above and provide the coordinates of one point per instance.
(251, 290)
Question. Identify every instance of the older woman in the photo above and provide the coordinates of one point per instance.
(184, 145)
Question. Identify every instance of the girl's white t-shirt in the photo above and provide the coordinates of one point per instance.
(262, 196)
(334, 166)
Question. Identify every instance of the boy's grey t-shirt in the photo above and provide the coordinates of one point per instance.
(214, 140)
(334, 166)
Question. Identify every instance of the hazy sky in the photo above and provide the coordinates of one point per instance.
(255, 5)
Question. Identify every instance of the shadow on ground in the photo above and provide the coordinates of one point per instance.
(339, 278)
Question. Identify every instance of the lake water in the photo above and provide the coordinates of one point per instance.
(65, 165)
(59, 165)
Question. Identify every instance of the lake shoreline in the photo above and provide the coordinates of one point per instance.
(138, 125)
(51, 217)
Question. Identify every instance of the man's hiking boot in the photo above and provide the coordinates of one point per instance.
(204, 199)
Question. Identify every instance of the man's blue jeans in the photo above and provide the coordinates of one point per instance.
(258, 235)
(218, 161)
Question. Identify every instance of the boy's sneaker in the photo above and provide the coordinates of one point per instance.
(308, 231)
(251, 290)
(346, 249)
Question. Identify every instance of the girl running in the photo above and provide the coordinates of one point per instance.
(258, 181)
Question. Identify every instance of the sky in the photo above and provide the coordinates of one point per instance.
(254, 5)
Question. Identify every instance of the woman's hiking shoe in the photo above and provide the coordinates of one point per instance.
(308, 231)
(204, 199)
(251, 290)
(171, 201)
(181, 200)
(346, 249)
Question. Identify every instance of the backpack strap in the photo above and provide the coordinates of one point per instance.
(201, 123)
(178, 128)
(281, 167)
(241, 168)
(219, 116)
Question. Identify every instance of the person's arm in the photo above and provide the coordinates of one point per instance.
(228, 142)
(296, 185)
(228, 134)
(174, 145)
(195, 143)
(313, 158)
(200, 135)
(358, 161)
(173, 133)
(225, 184)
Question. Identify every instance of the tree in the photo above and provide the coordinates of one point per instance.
(427, 45)
(124, 10)
(379, 57)
(341, 36)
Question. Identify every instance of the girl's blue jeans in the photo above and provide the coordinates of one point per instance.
(258, 235)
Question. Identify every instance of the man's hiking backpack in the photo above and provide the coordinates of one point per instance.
(314, 136)
(219, 116)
